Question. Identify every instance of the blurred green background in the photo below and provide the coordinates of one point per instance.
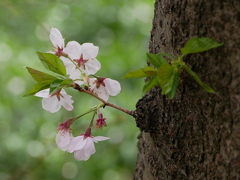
(121, 29)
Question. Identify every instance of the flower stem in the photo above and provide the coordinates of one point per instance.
(80, 89)
(91, 123)
(91, 110)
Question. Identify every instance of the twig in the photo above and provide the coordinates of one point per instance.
(80, 89)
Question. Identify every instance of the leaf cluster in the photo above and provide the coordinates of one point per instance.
(44, 80)
(166, 74)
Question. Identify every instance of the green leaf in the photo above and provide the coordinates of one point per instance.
(195, 45)
(67, 82)
(40, 76)
(205, 86)
(167, 76)
(146, 71)
(173, 91)
(59, 84)
(150, 84)
(156, 60)
(55, 86)
(37, 87)
(150, 71)
(166, 54)
(52, 63)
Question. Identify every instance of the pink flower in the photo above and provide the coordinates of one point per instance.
(83, 145)
(53, 102)
(64, 135)
(100, 121)
(84, 57)
(104, 87)
(57, 41)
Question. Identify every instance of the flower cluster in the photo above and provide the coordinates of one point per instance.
(81, 65)
(76, 66)
(82, 146)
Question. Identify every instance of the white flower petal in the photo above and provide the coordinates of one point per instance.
(63, 139)
(80, 156)
(44, 93)
(63, 92)
(113, 87)
(102, 92)
(89, 148)
(74, 73)
(73, 49)
(91, 83)
(51, 104)
(82, 152)
(58, 137)
(104, 96)
(66, 102)
(101, 138)
(76, 143)
(89, 50)
(65, 61)
(56, 38)
(65, 148)
(92, 66)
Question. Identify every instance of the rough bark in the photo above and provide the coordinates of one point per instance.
(197, 134)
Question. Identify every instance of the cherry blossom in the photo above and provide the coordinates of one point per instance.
(100, 121)
(104, 87)
(53, 102)
(57, 41)
(63, 135)
(83, 145)
(84, 57)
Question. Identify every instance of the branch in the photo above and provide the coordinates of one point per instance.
(80, 89)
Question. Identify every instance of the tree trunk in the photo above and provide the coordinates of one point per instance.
(197, 134)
